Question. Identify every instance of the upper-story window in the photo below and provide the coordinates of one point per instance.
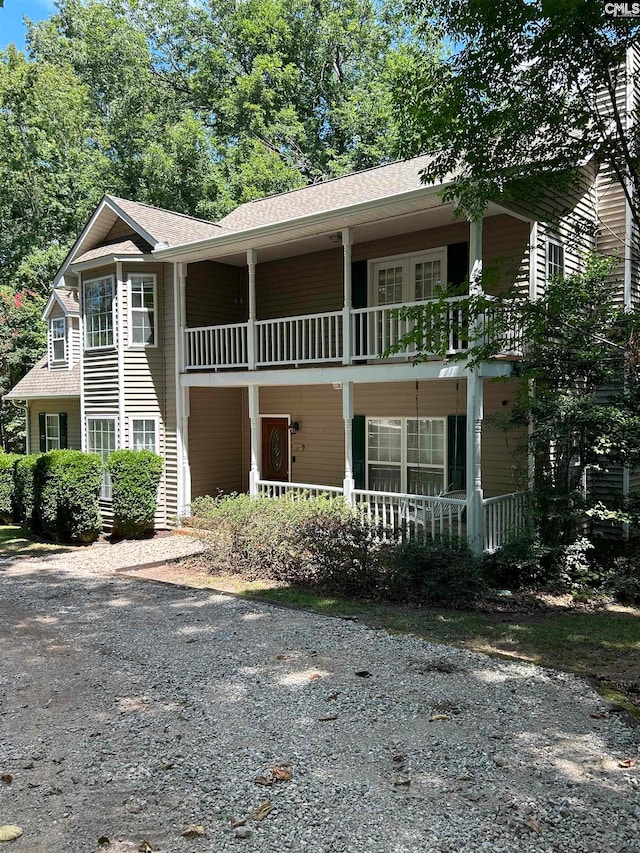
(555, 260)
(143, 320)
(98, 298)
(408, 278)
(58, 338)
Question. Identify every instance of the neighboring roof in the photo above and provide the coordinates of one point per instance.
(42, 382)
(66, 299)
(124, 247)
(359, 187)
(166, 226)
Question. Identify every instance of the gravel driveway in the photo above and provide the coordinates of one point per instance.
(131, 710)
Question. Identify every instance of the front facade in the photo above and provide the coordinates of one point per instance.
(252, 353)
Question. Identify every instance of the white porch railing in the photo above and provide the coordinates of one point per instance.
(213, 347)
(278, 489)
(416, 516)
(299, 340)
(376, 329)
(504, 515)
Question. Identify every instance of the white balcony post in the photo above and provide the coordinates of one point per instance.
(347, 242)
(475, 407)
(254, 417)
(347, 413)
(252, 259)
(182, 394)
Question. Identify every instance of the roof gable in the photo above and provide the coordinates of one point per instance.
(66, 299)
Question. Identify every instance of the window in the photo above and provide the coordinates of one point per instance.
(143, 310)
(52, 432)
(412, 278)
(555, 260)
(58, 337)
(98, 313)
(406, 455)
(101, 439)
(143, 434)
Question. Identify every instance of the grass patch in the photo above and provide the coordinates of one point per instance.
(18, 541)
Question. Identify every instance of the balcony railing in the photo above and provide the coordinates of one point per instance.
(311, 338)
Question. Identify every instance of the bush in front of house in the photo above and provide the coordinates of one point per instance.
(7, 487)
(66, 488)
(135, 477)
(23, 475)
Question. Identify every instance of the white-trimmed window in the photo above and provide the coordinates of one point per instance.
(144, 434)
(52, 432)
(98, 302)
(143, 317)
(406, 455)
(408, 278)
(101, 439)
(555, 260)
(58, 338)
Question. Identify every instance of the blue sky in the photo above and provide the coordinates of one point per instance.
(11, 27)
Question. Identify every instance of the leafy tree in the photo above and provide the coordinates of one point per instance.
(529, 89)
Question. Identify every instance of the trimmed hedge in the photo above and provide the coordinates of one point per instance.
(7, 487)
(66, 488)
(23, 474)
(135, 477)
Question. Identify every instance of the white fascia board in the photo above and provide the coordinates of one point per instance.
(286, 230)
(369, 373)
(69, 259)
(50, 396)
(105, 260)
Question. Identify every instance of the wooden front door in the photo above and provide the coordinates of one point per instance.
(275, 449)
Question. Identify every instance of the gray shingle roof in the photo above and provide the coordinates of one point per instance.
(166, 226)
(359, 187)
(42, 382)
(124, 247)
(69, 299)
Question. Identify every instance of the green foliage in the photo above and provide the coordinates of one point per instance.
(24, 476)
(66, 487)
(135, 476)
(7, 487)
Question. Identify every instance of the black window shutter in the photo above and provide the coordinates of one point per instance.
(358, 448)
(42, 423)
(359, 284)
(63, 430)
(456, 452)
(457, 263)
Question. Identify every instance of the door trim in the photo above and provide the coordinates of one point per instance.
(288, 418)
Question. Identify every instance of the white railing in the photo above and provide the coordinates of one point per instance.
(412, 516)
(376, 329)
(299, 340)
(507, 328)
(213, 347)
(278, 489)
(504, 516)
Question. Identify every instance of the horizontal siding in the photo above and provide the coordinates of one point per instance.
(504, 452)
(55, 405)
(306, 284)
(215, 441)
(170, 420)
(213, 294)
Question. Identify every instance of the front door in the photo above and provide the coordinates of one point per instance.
(275, 449)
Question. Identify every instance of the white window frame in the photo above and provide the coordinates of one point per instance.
(52, 340)
(404, 463)
(408, 263)
(156, 430)
(51, 418)
(556, 244)
(111, 280)
(142, 344)
(105, 489)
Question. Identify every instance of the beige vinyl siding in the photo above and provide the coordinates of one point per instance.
(100, 366)
(213, 294)
(215, 441)
(504, 452)
(306, 284)
(55, 406)
(612, 211)
(168, 349)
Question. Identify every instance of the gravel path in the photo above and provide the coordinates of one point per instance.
(130, 710)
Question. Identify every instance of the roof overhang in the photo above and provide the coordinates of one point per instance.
(106, 260)
(53, 299)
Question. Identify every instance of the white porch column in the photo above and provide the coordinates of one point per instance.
(182, 393)
(254, 417)
(475, 407)
(347, 242)
(347, 413)
(252, 260)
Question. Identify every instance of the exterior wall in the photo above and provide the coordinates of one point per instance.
(213, 294)
(306, 284)
(216, 441)
(54, 406)
(73, 339)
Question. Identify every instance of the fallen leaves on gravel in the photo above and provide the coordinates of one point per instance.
(262, 811)
(315, 676)
(194, 830)
(533, 823)
(145, 847)
(628, 762)
(325, 718)
(6, 778)
(280, 772)
(332, 696)
(10, 832)
(436, 717)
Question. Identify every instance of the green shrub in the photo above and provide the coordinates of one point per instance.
(431, 571)
(7, 487)
(24, 472)
(522, 562)
(66, 488)
(135, 476)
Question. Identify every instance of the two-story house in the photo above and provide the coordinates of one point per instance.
(248, 352)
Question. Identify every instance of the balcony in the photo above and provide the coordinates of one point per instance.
(320, 338)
